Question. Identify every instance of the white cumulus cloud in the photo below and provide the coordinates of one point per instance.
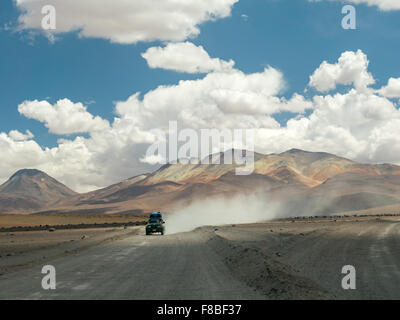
(65, 117)
(185, 57)
(392, 90)
(19, 136)
(125, 21)
(351, 68)
(219, 100)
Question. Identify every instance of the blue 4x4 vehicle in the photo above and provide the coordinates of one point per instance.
(155, 224)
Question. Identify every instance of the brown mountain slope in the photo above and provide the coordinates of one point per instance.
(305, 183)
(30, 189)
(293, 166)
(98, 195)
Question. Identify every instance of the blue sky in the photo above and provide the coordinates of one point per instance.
(292, 36)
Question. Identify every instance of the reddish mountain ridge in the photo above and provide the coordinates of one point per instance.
(304, 182)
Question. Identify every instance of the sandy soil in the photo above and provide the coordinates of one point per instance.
(20, 250)
(303, 259)
(288, 259)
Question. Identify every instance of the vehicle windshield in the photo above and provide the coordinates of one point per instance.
(154, 220)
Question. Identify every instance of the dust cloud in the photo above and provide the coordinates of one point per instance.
(220, 211)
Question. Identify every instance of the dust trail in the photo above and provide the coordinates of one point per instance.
(257, 207)
(220, 211)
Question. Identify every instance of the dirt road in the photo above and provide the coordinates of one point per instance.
(274, 260)
(179, 266)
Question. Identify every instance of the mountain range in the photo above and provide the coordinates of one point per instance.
(304, 183)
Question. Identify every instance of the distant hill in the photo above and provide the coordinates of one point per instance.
(31, 189)
(304, 183)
